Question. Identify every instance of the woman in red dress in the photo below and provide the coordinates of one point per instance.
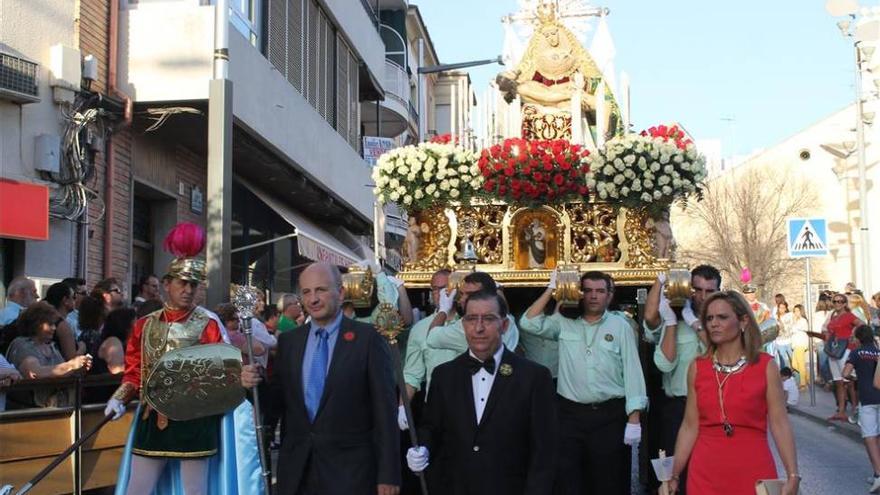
(732, 393)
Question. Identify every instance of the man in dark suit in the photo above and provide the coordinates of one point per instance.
(336, 381)
(490, 414)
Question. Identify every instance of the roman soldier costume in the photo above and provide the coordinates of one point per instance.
(155, 335)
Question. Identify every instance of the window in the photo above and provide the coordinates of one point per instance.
(247, 18)
(305, 46)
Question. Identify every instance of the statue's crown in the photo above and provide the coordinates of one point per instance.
(546, 13)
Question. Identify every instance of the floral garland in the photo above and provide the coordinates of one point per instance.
(417, 177)
(534, 172)
(652, 169)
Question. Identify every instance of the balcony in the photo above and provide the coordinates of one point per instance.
(168, 48)
(395, 111)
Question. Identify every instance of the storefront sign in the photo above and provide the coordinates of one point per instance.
(319, 252)
(24, 210)
(374, 147)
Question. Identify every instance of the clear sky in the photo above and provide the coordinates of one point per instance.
(772, 66)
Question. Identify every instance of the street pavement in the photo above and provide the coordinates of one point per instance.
(830, 463)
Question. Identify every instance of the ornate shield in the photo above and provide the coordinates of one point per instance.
(196, 381)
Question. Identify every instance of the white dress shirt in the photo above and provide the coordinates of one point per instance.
(482, 382)
(262, 335)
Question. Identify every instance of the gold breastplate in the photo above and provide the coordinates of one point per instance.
(160, 337)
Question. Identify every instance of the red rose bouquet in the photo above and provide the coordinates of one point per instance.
(534, 173)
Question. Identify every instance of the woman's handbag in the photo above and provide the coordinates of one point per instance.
(835, 348)
(769, 487)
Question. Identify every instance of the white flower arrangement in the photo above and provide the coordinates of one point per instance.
(420, 176)
(659, 167)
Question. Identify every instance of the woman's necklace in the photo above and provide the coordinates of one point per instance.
(728, 371)
(729, 368)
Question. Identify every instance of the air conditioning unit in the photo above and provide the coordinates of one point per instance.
(19, 79)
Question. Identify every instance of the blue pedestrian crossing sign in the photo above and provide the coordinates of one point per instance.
(807, 237)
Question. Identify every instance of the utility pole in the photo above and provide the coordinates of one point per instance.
(219, 193)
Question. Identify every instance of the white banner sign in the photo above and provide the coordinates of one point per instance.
(374, 147)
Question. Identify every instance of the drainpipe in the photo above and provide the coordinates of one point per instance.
(110, 175)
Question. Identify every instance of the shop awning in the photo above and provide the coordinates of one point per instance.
(313, 242)
(24, 210)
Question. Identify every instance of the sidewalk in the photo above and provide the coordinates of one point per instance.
(825, 407)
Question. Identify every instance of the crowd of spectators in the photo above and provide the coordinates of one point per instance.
(77, 330)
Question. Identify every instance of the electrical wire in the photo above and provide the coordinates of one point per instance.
(85, 129)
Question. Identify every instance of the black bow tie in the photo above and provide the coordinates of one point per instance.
(475, 364)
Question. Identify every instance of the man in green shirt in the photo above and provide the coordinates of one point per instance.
(445, 338)
(600, 388)
(291, 313)
(678, 342)
(416, 367)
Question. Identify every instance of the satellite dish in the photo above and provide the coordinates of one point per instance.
(840, 8)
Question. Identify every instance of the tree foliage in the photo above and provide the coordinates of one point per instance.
(741, 222)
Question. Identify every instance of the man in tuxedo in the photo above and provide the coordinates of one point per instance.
(490, 415)
(336, 380)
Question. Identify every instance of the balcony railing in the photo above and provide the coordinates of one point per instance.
(396, 83)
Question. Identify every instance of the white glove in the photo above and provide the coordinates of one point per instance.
(666, 312)
(396, 281)
(417, 459)
(552, 283)
(447, 300)
(114, 407)
(633, 434)
(402, 423)
(661, 277)
(689, 317)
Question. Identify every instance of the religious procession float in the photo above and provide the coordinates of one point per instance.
(573, 191)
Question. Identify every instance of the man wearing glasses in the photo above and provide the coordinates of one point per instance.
(108, 291)
(490, 415)
(446, 337)
(291, 313)
(600, 388)
(679, 339)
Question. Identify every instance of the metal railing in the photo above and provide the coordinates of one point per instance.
(20, 417)
(396, 83)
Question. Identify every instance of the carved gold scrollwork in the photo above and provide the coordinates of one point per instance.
(640, 240)
(434, 246)
(539, 125)
(483, 225)
(593, 233)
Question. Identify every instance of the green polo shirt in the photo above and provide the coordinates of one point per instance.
(414, 370)
(285, 324)
(687, 347)
(541, 350)
(597, 361)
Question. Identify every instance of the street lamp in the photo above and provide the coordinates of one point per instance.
(865, 31)
(423, 71)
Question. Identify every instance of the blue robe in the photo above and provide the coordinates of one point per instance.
(235, 469)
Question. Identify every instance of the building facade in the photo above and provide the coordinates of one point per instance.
(305, 75)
